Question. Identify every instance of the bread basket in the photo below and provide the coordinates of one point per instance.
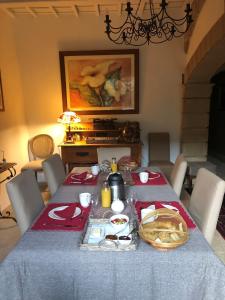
(167, 231)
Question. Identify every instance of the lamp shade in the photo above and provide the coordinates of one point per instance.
(69, 117)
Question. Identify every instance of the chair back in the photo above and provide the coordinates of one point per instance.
(159, 146)
(206, 200)
(178, 174)
(41, 146)
(54, 172)
(25, 197)
(106, 153)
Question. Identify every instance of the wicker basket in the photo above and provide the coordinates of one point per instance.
(132, 166)
(168, 225)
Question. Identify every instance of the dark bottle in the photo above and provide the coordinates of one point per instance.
(116, 185)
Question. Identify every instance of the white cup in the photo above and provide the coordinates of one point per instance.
(85, 199)
(143, 177)
(95, 170)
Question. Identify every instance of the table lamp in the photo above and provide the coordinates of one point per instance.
(68, 118)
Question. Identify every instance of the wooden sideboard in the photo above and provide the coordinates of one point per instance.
(80, 154)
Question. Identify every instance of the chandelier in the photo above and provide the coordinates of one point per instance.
(158, 28)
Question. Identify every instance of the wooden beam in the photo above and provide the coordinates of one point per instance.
(54, 11)
(97, 7)
(9, 12)
(75, 10)
(120, 7)
(141, 8)
(31, 11)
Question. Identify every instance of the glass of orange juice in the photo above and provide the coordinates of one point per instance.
(106, 195)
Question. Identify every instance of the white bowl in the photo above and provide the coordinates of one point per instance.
(125, 242)
(117, 226)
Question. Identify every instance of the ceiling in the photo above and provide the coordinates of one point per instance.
(78, 8)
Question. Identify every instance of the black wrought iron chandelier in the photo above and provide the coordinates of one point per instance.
(158, 28)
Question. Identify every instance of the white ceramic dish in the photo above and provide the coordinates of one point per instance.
(170, 207)
(52, 213)
(125, 242)
(76, 177)
(155, 175)
(116, 226)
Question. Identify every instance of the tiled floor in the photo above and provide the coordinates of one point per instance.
(9, 235)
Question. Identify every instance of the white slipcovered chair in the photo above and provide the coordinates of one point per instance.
(106, 153)
(206, 200)
(54, 172)
(178, 174)
(25, 197)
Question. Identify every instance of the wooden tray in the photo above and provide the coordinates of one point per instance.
(168, 225)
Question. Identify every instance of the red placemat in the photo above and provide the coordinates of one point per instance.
(139, 205)
(77, 179)
(154, 179)
(44, 222)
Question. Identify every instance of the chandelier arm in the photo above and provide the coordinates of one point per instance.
(124, 23)
(156, 29)
(178, 26)
(168, 16)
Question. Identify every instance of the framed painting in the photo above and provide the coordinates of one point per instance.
(2, 107)
(100, 82)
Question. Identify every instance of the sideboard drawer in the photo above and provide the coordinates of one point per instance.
(79, 155)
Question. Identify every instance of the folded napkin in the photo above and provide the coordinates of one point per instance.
(139, 205)
(154, 179)
(61, 216)
(82, 178)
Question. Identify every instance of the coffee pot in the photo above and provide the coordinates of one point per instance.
(116, 185)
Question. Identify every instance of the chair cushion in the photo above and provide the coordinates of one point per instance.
(35, 165)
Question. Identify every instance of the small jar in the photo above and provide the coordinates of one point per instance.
(114, 165)
(106, 195)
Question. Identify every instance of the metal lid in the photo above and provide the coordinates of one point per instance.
(115, 179)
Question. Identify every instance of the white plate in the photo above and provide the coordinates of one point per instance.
(76, 213)
(170, 207)
(52, 213)
(156, 175)
(76, 177)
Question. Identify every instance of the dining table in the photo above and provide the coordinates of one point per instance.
(49, 264)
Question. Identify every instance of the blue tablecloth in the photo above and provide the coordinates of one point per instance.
(49, 265)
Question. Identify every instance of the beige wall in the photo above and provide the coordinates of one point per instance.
(13, 129)
(37, 42)
(211, 11)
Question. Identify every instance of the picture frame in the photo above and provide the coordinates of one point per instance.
(100, 82)
(2, 107)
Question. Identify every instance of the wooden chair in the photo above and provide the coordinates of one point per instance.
(206, 200)
(159, 151)
(40, 147)
(54, 172)
(25, 197)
